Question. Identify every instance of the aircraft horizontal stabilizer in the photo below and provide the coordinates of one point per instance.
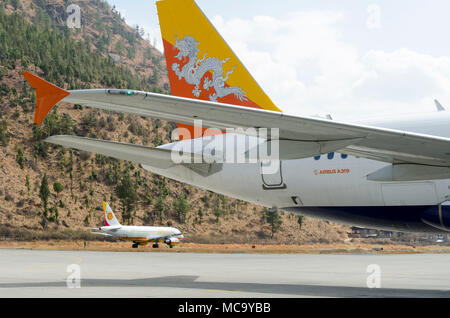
(47, 95)
(155, 157)
(102, 234)
(113, 228)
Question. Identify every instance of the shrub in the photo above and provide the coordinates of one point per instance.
(4, 135)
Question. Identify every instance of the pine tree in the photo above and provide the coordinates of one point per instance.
(200, 216)
(126, 192)
(273, 219)
(27, 184)
(58, 188)
(181, 208)
(44, 193)
(300, 220)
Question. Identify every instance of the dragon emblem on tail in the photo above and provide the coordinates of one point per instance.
(196, 68)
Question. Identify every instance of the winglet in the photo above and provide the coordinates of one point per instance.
(439, 107)
(47, 95)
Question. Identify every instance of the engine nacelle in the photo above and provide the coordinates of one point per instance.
(172, 241)
(438, 217)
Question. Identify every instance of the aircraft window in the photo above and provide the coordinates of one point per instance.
(317, 158)
(344, 156)
(331, 155)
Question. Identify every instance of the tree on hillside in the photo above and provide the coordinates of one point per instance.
(160, 208)
(217, 213)
(200, 216)
(44, 193)
(58, 188)
(27, 184)
(181, 208)
(126, 192)
(20, 159)
(300, 220)
(273, 219)
(4, 135)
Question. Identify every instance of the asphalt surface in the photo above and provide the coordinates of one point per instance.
(33, 273)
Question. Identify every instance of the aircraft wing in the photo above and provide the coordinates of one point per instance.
(308, 136)
(369, 142)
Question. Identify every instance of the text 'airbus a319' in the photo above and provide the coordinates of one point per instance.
(391, 174)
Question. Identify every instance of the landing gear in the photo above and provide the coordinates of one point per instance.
(135, 245)
(155, 246)
(171, 246)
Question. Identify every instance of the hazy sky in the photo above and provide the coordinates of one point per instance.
(348, 58)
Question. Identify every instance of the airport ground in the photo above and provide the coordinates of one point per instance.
(354, 247)
(334, 273)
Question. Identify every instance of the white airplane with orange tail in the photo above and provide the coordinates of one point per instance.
(139, 235)
(391, 174)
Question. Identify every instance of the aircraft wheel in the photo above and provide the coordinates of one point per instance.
(155, 245)
(135, 245)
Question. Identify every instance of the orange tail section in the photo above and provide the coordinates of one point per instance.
(47, 95)
(200, 63)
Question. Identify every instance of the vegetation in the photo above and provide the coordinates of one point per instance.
(161, 208)
(58, 188)
(27, 184)
(300, 220)
(181, 208)
(126, 192)
(20, 159)
(4, 135)
(273, 219)
(51, 48)
(44, 193)
(200, 216)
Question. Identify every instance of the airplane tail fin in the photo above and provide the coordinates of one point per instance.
(110, 218)
(200, 63)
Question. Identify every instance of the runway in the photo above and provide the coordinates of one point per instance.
(33, 273)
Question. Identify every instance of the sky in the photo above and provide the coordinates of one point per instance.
(351, 59)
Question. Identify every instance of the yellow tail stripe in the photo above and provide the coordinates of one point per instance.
(182, 18)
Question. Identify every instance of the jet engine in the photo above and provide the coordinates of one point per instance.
(173, 241)
(438, 217)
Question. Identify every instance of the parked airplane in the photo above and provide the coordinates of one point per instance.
(139, 235)
(391, 174)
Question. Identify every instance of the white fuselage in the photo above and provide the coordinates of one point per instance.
(142, 233)
(334, 180)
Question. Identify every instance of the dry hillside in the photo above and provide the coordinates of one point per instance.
(80, 58)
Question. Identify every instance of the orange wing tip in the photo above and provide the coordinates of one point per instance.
(47, 95)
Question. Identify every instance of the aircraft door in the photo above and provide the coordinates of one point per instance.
(272, 175)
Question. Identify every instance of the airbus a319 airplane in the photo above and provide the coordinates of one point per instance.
(391, 174)
(139, 235)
